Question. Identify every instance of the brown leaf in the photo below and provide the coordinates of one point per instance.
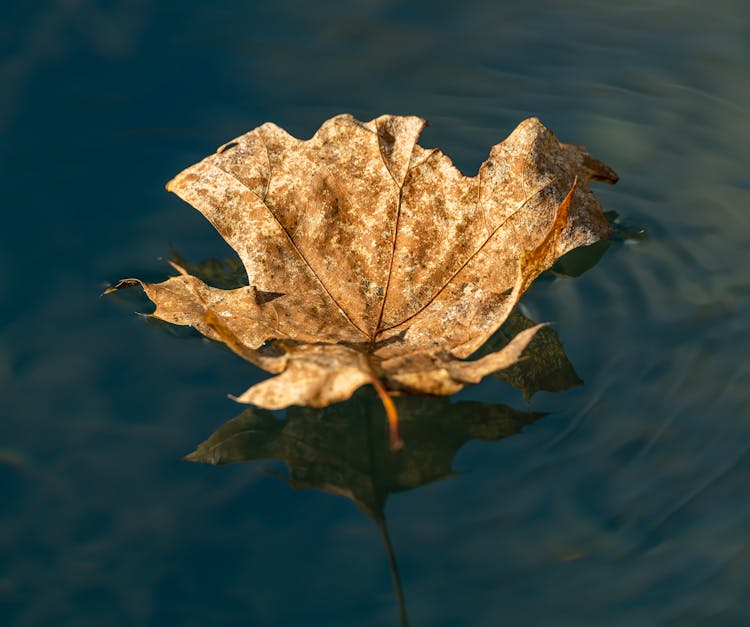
(371, 259)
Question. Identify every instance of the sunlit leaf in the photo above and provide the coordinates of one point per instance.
(370, 259)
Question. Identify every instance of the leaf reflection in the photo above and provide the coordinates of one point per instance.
(545, 366)
(343, 449)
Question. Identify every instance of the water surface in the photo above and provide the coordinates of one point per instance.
(624, 506)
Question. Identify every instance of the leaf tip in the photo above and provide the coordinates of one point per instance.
(598, 170)
(121, 284)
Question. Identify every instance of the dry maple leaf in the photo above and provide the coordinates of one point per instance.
(373, 260)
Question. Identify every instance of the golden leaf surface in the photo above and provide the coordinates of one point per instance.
(373, 260)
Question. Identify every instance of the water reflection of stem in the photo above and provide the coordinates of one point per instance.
(380, 520)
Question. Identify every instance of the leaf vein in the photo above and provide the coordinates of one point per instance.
(466, 263)
(296, 249)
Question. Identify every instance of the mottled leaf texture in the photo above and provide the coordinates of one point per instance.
(370, 259)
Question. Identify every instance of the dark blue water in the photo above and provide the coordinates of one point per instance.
(625, 506)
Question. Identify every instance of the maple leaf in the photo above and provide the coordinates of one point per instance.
(370, 259)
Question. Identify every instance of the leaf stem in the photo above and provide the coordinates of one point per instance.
(390, 409)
